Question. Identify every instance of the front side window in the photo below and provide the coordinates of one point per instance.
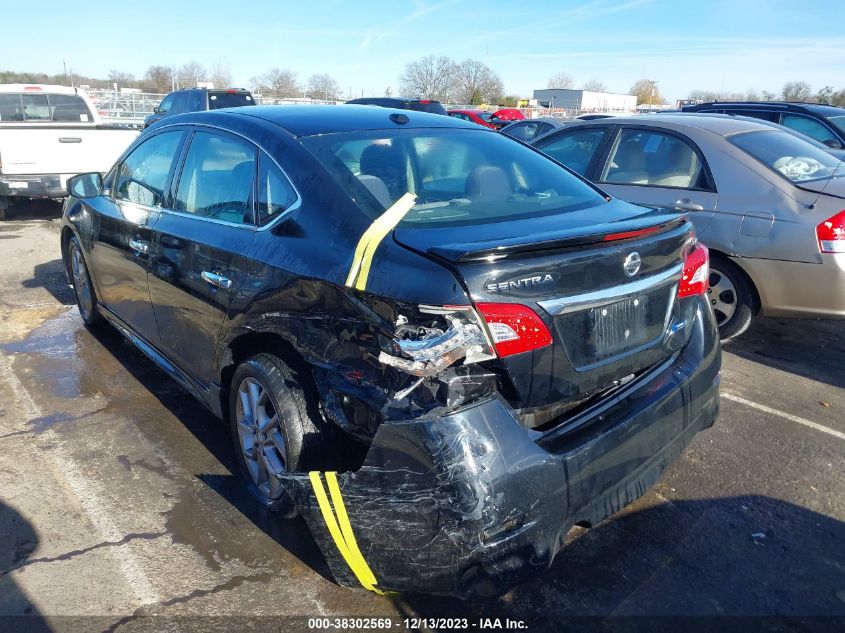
(458, 176)
(643, 157)
(166, 104)
(576, 148)
(787, 155)
(809, 127)
(217, 179)
(142, 176)
(838, 122)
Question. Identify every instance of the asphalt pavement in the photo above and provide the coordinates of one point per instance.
(120, 509)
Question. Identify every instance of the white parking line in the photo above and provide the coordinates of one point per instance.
(65, 468)
(783, 414)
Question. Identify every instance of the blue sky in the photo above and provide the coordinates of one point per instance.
(716, 44)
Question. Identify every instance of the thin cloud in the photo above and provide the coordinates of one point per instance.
(374, 35)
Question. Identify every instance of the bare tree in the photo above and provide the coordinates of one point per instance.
(825, 95)
(158, 79)
(220, 74)
(765, 95)
(646, 92)
(796, 91)
(751, 95)
(838, 99)
(121, 78)
(428, 78)
(190, 74)
(594, 85)
(475, 83)
(279, 82)
(322, 86)
(560, 80)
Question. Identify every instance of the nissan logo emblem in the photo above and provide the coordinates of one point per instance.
(632, 264)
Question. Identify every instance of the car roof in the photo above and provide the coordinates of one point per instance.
(39, 88)
(310, 120)
(771, 105)
(722, 124)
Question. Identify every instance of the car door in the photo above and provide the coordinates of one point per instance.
(658, 168)
(577, 147)
(122, 221)
(199, 244)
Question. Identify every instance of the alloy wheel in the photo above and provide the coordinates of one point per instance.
(81, 284)
(261, 438)
(722, 296)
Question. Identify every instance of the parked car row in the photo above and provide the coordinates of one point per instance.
(766, 201)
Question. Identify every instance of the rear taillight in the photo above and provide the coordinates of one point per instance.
(696, 275)
(514, 328)
(831, 234)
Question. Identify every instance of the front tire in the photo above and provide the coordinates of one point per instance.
(271, 428)
(731, 297)
(86, 297)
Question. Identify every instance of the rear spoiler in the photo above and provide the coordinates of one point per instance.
(617, 231)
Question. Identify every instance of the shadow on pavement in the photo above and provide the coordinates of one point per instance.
(33, 209)
(19, 542)
(726, 561)
(51, 276)
(812, 348)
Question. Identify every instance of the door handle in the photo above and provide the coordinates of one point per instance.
(686, 204)
(216, 280)
(139, 246)
(70, 139)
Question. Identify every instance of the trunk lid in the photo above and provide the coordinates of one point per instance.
(606, 323)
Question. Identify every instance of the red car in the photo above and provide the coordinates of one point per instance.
(495, 120)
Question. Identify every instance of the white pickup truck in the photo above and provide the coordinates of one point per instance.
(47, 135)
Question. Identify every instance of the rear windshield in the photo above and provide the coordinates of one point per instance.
(435, 107)
(458, 176)
(787, 155)
(217, 100)
(35, 106)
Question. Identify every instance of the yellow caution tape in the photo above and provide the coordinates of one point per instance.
(372, 237)
(341, 530)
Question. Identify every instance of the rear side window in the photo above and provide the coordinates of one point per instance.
(217, 100)
(217, 179)
(576, 148)
(642, 157)
(142, 176)
(275, 193)
(458, 176)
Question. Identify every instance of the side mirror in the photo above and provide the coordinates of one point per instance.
(85, 185)
(155, 110)
(833, 143)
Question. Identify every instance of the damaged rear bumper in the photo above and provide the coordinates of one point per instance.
(470, 503)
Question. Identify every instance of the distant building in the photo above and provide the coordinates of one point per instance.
(585, 100)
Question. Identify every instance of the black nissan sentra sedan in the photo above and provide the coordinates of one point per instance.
(440, 347)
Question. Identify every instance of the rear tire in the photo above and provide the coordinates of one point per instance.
(86, 296)
(271, 429)
(731, 296)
